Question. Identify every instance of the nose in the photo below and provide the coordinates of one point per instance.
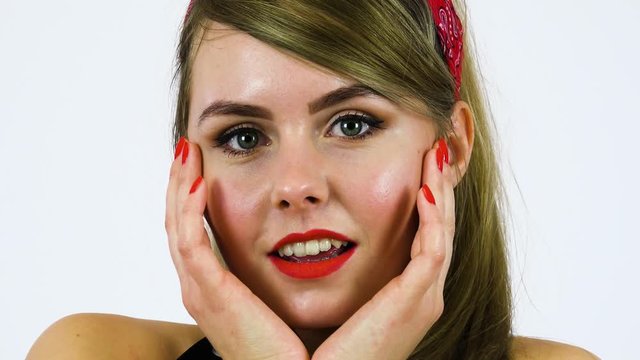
(299, 179)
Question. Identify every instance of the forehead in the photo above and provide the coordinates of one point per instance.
(231, 64)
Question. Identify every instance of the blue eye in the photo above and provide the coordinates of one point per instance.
(355, 126)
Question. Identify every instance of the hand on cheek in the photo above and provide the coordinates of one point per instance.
(394, 321)
(219, 302)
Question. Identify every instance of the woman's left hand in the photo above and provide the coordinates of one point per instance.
(392, 323)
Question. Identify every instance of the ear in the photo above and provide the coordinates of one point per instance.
(461, 140)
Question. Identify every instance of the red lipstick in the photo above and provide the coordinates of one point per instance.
(312, 266)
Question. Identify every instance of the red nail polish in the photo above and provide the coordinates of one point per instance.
(428, 194)
(185, 152)
(439, 158)
(195, 185)
(179, 148)
(445, 150)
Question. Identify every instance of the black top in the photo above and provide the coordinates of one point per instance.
(202, 350)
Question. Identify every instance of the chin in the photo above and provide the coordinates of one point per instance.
(306, 311)
(318, 319)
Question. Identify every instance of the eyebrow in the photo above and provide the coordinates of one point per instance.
(339, 95)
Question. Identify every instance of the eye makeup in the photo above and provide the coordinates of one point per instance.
(244, 139)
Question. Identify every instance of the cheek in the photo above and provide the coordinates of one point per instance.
(382, 196)
(233, 208)
(385, 183)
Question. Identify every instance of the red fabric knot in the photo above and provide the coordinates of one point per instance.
(450, 32)
(186, 16)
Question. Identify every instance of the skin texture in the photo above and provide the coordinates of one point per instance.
(298, 181)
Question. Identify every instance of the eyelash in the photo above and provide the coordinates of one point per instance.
(222, 141)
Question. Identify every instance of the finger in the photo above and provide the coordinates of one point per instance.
(191, 169)
(427, 164)
(432, 190)
(428, 249)
(448, 202)
(422, 271)
(432, 248)
(171, 221)
(449, 208)
(193, 244)
(441, 186)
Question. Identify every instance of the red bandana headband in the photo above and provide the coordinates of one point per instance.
(450, 32)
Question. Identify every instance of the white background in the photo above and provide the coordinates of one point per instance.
(85, 112)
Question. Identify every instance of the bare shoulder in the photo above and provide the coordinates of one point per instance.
(108, 336)
(525, 348)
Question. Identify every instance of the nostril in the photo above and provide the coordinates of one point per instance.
(309, 200)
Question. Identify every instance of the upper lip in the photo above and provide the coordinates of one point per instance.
(314, 234)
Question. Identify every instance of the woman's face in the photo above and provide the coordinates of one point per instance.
(288, 160)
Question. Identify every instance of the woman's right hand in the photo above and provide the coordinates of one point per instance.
(236, 322)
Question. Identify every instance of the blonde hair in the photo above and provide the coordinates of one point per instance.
(391, 46)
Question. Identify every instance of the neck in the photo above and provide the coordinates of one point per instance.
(313, 338)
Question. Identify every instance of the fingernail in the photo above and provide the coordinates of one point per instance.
(185, 152)
(195, 185)
(439, 158)
(179, 148)
(428, 194)
(445, 150)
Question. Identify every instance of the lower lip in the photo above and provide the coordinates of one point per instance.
(312, 270)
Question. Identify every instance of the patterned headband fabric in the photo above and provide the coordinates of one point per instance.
(450, 33)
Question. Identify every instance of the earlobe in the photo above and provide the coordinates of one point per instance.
(461, 140)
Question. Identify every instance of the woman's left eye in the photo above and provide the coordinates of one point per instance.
(355, 126)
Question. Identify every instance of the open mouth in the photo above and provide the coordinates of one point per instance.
(313, 250)
(312, 259)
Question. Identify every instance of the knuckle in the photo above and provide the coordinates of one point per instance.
(438, 256)
(438, 307)
(192, 307)
(184, 248)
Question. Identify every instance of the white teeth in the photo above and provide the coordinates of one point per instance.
(288, 250)
(312, 247)
(299, 249)
(325, 245)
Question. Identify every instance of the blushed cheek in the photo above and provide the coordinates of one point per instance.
(386, 196)
(233, 209)
(389, 181)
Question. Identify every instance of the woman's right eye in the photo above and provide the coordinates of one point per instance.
(240, 141)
